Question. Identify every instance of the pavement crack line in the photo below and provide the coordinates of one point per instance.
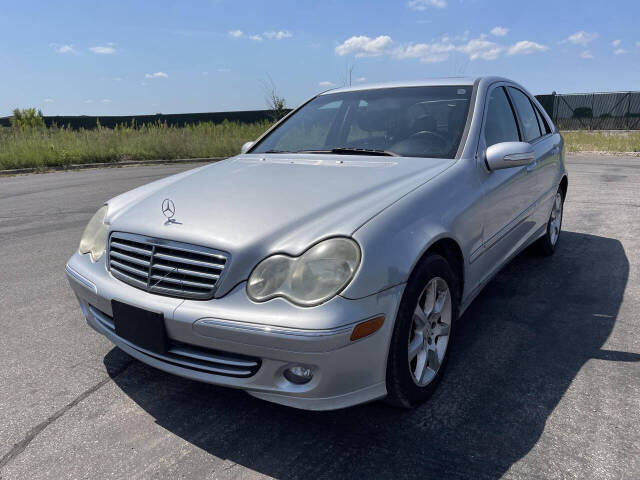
(22, 445)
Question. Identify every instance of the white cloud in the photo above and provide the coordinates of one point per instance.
(156, 75)
(279, 35)
(326, 83)
(223, 70)
(582, 38)
(63, 48)
(361, 79)
(637, 44)
(437, 51)
(525, 47)
(205, 74)
(88, 101)
(103, 49)
(616, 43)
(259, 37)
(48, 100)
(106, 100)
(481, 48)
(499, 31)
(462, 38)
(429, 52)
(363, 46)
(424, 4)
(620, 51)
(586, 54)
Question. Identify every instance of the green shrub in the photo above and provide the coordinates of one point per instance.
(26, 118)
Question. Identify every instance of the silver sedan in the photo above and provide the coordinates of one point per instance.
(328, 263)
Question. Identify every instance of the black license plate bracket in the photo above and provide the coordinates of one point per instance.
(142, 328)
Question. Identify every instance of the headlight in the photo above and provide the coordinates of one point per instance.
(317, 275)
(94, 237)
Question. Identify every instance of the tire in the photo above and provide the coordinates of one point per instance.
(431, 281)
(547, 244)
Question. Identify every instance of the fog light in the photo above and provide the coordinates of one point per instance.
(298, 374)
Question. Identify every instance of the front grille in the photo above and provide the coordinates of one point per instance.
(165, 267)
(191, 356)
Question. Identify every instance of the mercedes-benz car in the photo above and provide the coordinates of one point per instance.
(328, 263)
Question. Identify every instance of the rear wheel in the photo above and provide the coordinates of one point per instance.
(547, 244)
(422, 333)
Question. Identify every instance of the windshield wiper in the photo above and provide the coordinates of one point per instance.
(353, 151)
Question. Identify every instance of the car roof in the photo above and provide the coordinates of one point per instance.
(429, 82)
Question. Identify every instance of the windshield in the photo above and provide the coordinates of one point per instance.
(407, 121)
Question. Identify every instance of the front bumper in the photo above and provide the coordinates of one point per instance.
(277, 333)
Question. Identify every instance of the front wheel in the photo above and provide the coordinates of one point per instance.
(422, 333)
(547, 244)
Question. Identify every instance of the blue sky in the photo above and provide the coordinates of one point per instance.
(135, 57)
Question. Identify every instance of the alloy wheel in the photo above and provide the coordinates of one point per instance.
(555, 222)
(429, 333)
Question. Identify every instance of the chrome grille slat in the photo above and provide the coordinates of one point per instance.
(165, 267)
(136, 271)
(221, 258)
(136, 282)
(130, 248)
(173, 292)
(129, 258)
(190, 261)
(179, 281)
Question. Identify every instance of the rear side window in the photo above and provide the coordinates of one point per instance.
(500, 125)
(544, 127)
(528, 120)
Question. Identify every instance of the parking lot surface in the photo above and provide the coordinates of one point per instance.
(544, 380)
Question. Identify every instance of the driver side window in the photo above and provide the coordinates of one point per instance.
(500, 124)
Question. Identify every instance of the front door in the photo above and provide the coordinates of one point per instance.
(509, 195)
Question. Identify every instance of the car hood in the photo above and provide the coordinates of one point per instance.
(254, 205)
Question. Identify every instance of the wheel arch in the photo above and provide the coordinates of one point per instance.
(564, 185)
(448, 248)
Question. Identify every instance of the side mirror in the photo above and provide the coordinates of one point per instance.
(246, 146)
(508, 154)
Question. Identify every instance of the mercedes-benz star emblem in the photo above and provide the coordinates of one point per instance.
(168, 210)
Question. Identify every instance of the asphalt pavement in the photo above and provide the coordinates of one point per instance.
(544, 379)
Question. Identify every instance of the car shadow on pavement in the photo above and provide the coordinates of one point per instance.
(518, 348)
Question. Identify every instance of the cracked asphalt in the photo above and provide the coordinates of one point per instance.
(544, 380)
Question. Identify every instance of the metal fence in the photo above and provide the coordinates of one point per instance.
(575, 111)
(593, 111)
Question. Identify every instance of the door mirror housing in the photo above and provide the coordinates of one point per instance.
(246, 146)
(508, 154)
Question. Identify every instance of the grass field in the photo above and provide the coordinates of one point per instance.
(602, 141)
(44, 148)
